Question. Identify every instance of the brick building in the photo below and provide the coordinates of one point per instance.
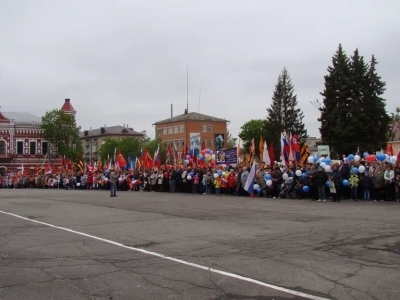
(93, 139)
(193, 129)
(21, 141)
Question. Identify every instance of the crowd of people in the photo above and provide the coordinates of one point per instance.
(355, 180)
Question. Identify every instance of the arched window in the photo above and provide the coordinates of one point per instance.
(2, 147)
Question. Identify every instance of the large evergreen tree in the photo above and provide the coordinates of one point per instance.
(283, 114)
(378, 118)
(352, 112)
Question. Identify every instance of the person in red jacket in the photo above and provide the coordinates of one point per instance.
(90, 181)
(231, 182)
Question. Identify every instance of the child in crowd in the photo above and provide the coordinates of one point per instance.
(217, 184)
(354, 186)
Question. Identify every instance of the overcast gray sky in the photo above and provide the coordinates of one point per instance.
(125, 61)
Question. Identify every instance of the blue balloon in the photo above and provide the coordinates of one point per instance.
(365, 154)
(380, 157)
(350, 157)
(355, 170)
(267, 177)
(327, 184)
(219, 172)
(191, 174)
(346, 182)
(327, 161)
(306, 189)
(291, 174)
(208, 151)
(259, 191)
(186, 161)
(303, 175)
(315, 159)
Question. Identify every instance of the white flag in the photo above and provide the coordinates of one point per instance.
(266, 158)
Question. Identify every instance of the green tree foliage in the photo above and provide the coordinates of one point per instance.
(283, 114)
(253, 129)
(230, 142)
(152, 146)
(352, 111)
(61, 131)
(107, 148)
(129, 147)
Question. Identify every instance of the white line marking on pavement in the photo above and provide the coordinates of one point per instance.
(180, 261)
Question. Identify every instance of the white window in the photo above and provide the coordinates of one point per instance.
(209, 129)
(204, 128)
(165, 130)
(181, 129)
(169, 130)
(175, 129)
(182, 143)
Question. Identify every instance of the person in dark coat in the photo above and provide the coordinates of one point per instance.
(321, 179)
(367, 185)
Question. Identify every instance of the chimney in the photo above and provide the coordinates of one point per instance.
(90, 129)
(102, 130)
(186, 111)
(86, 133)
(172, 110)
(124, 126)
(67, 100)
(105, 126)
(127, 125)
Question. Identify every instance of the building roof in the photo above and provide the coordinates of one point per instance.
(112, 130)
(192, 116)
(67, 107)
(22, 118)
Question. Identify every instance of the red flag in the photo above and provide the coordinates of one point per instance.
(53, 169)
(271, 153)
(203, 146)
(121, 159)
(89, 168)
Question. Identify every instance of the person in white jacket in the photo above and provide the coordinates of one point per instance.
(389, 183)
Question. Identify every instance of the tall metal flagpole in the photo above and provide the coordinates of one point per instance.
(187, 88)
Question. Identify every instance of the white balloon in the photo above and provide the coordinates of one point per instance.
(393, 158)
(357, 158)
(189, 177)
(269, 182)
(361, 169)
(285, 176)
(216, 175)
(256, 186)
(323, 165)
(78, 184)
(298, 173)
(327, 169)
(310, 159)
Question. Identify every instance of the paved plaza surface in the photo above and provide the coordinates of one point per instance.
(57, 244)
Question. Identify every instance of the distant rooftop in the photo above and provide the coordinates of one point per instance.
(22, 118)
(193, 116)
(112, 130)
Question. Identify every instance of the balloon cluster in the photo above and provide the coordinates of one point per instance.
(207, 156)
